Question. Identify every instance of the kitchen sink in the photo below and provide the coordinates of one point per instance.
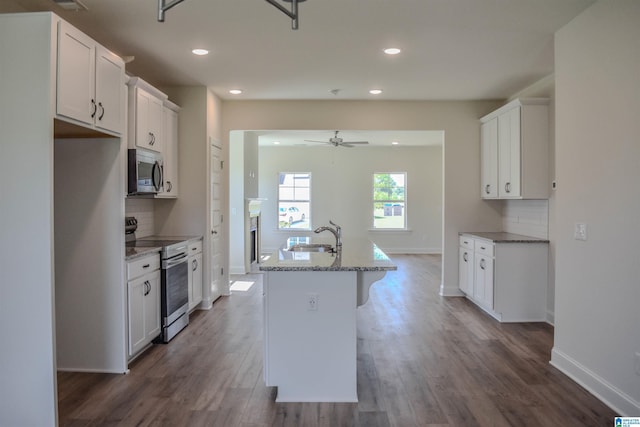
(310, 247)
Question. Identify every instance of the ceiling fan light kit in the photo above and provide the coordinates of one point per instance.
(163, 6)
(339, 142)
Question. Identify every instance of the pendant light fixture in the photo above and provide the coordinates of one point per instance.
(164, 5)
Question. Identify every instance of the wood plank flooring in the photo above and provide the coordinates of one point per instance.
(423, 360)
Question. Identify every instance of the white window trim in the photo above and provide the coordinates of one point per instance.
(406, 216)
(278, 201)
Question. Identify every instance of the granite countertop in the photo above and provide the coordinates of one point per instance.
(356, 255)
(132, 253)
(502, 237)
(185, 238)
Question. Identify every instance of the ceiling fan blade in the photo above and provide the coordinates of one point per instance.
(356, 142)
(344, 144)
(321, 142)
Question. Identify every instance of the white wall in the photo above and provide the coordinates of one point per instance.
(341, 185)
(463, 208)
(236, 202)
(90, 292)
(199, 124)
(597, 321)
(27, 356)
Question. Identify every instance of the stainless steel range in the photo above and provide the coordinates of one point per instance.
(174, 288)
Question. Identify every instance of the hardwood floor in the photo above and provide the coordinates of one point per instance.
(423, 360)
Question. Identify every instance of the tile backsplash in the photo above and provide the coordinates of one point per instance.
(528, 217)
(142, 209)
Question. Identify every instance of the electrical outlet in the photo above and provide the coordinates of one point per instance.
(312, 302)
(580, 231)
(637, 363)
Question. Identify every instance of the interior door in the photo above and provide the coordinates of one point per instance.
(216, 222)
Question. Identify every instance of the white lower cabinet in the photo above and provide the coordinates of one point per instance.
(195, 274)
(508, 279)
(466, 265)
(143, 292)
(483, 284)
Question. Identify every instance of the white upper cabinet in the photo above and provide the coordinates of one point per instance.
(170, 155)
(489, 156)
(145, 116)
(515, 151)
(89, 78)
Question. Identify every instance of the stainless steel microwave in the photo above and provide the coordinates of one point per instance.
(145, 172)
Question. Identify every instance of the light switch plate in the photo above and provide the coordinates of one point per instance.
(580, 231)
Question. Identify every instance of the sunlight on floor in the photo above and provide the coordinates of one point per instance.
(240, 285)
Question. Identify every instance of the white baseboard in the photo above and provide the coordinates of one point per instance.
(450, 291)
(94, 371)
(412, 251)
(396, 251)
(235, 269)
(551, 317)
(620, 402)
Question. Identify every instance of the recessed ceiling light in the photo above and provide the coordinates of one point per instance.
(394, 143)
(200, 52)
(392, 51)
(276, 142)
(235, 91)
(375, 91)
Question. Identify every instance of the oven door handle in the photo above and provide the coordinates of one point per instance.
(175, 261)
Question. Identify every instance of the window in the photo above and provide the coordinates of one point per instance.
(294, 200)
(389, 200)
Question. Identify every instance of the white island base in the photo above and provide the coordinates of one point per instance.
(310, 355)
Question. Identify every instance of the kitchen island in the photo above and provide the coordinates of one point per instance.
(310, 301)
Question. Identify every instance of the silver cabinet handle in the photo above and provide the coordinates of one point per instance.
(482, 264)
(195, 265)
(465, 257)
(146, 266)
(101, 111)
(482, 247)
(507, 187)
(486, 188)
(169, 186)
(94, 108)
(147, 288)
(152, 138)
(214, 232)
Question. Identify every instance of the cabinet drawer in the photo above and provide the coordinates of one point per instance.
(466, 242)
(195, 247)
(484, 247)
(143, 266)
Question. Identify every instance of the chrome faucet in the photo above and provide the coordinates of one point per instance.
(337, 232)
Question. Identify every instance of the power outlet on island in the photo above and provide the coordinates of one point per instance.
(312, 302)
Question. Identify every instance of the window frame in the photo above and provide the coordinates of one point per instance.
(293, 201)
(403, 201)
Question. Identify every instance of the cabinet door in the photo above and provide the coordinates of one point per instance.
(156, 110)
(483, 283)
(196, 267)
(137, 336)
(170, 155)
(489, 159)
(75, 76)
(148, 121)
(509, 154)
(152, 307)
(465, 271)
(195, 280)
(109, 81)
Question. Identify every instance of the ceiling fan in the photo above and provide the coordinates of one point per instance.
(336, 141)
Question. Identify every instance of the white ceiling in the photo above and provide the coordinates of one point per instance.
(452, 49)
